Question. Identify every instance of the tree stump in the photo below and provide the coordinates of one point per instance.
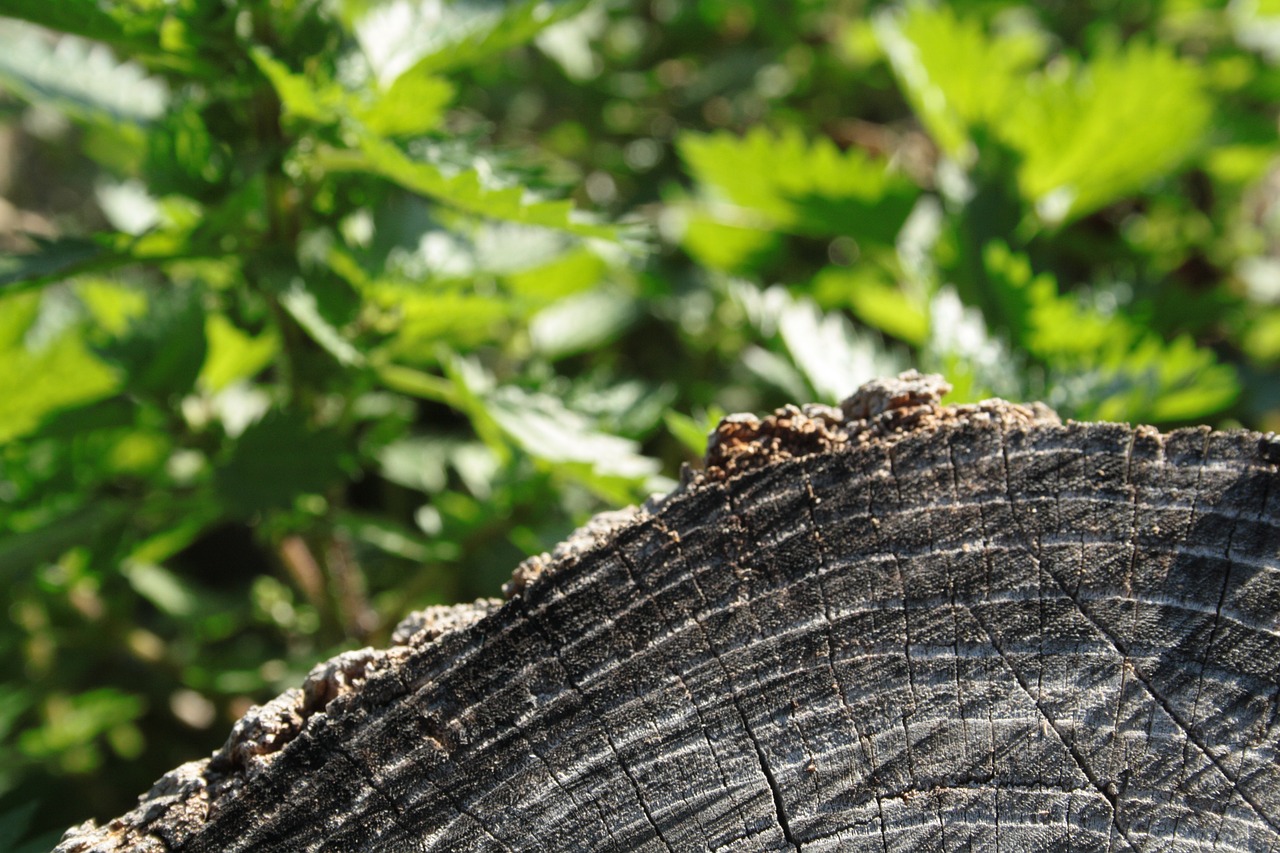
(890, 626)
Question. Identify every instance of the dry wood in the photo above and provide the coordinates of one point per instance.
(890, 626)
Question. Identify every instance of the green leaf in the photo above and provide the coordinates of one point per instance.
(834, 357)
(465, 191)
(88, 19)
(276, 460)
(300, 97)
(1122, 120)
(434, 38)
(423, 320)
(153, 365)
(1085, 133)
(17, 312)
(693, 432)
(21, 552)
(730, 246)
(875, 302)
(574, 271)
(396, 539)
(78, 720)
(34, 383)
(799, 186)
(414, 104)
(233, 354)
(1107, 366)
(170, 593)
(953, 74)
(302, 305)
(53, 259)
(79, 78)
(541, 426)
(582, 322)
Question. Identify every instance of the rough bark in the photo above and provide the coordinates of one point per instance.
(892, 626)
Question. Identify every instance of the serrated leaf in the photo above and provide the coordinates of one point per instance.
(1084, 133)
(801, 186)
(79, 78)
(52, 260)
(34, 383)
(465, 191)
(834, 357)
(413, 104)
(275, 461)
(233, 354)
(434, 36)
(300, 97)
(953, 74)
(1106, 366)
(303, 306)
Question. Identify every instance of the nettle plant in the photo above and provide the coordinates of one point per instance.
(299, 246)
(305, 330)
(931, 244)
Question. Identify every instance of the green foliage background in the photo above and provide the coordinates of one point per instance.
(315, 311)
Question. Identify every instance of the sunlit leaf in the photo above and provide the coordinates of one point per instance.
(162, 588)
(435, 36)
(579, 323)
(82, 79)
(801, 186)
(36, 383)
(233, 354)
(834, 357)
(541, 426)
(414, 103)
(300, 97)
(953, 74)
(875, 302)
(1084, 133)
(466, 191)
(302, 305)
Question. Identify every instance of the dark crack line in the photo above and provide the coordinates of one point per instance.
(706, 638)
(1121, 649)
(733, 697)
(572, 682)
(1079, 759)
(780, 814)
(779, 807)
(397, 814)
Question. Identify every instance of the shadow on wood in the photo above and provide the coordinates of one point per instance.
(890, 626)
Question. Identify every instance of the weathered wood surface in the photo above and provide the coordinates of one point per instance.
(899, 627)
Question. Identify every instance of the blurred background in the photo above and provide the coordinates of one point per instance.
(316, 311)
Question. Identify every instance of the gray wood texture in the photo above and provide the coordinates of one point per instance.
(896, 626)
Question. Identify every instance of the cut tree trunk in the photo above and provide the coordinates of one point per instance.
(890, 626)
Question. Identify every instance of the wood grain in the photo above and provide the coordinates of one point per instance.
(895, 626)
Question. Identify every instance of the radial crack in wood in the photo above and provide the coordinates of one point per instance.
(894, 625)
